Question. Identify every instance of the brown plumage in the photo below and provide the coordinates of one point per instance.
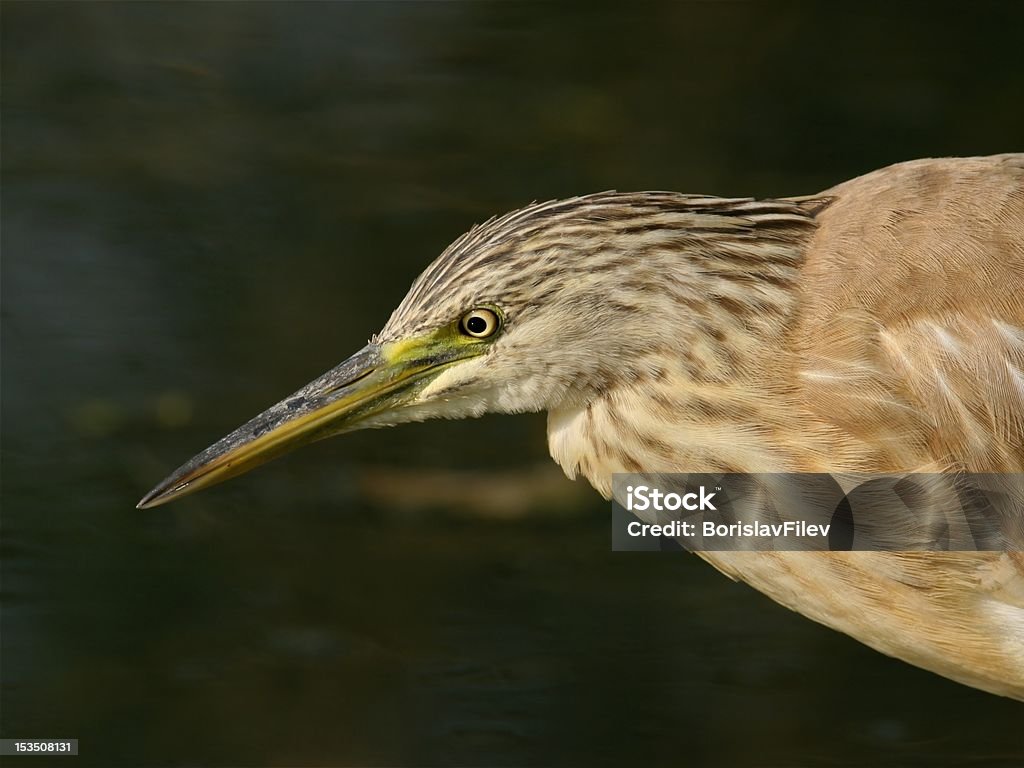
(902, 348)
(875, 327)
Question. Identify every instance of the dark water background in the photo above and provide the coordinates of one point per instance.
(206, 205)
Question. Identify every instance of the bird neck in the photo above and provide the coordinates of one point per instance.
(719, 394)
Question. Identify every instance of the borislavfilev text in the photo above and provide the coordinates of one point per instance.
(815, 512)
(642, 498)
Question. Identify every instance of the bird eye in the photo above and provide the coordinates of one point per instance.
(480, 323)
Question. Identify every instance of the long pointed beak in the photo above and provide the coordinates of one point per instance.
(367, 383)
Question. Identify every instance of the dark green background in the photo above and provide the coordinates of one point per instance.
(206, 205)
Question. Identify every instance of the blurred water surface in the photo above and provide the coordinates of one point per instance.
(206, 205)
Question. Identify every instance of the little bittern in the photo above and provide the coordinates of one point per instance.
(875, 327)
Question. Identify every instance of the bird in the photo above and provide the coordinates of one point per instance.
(876, 326)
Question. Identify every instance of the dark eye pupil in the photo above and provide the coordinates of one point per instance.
(476, 325)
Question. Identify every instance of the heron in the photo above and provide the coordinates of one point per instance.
(876, 326)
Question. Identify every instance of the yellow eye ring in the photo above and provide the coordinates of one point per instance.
(480, 323)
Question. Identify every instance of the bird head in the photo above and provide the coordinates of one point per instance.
(542, 308)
